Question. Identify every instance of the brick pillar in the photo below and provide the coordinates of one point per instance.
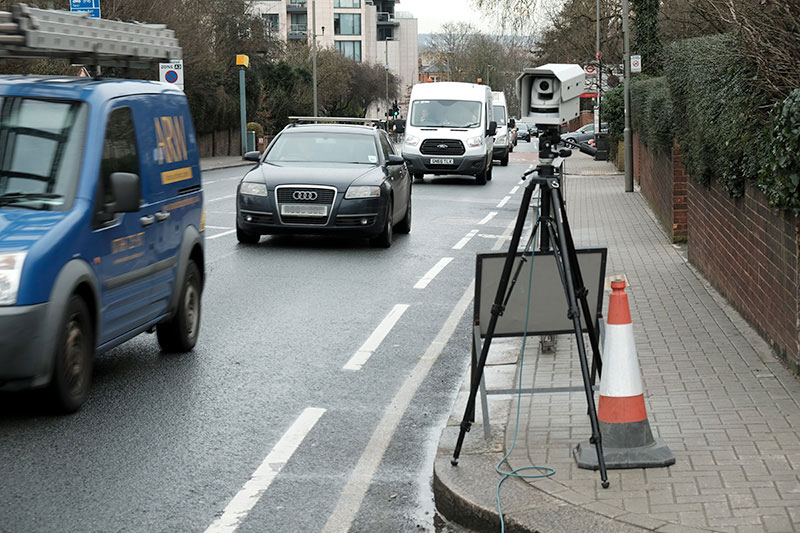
(680, 209)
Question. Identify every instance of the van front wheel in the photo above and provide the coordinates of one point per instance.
(179, 333)
(72, 367)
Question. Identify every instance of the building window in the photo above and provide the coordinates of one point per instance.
(298, 23)
(346, 24)
(271, 21)
(350, 49)
(347, 3)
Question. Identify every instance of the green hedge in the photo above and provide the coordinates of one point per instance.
(652, 113)
(612, 110)
(779, 178)
(716, 117)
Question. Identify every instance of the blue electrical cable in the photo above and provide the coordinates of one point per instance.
(545, 471)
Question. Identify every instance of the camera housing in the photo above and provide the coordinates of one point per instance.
(550, 94)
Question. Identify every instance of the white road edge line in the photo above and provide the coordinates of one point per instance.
(427, 278)
(218, 235)
(463, 242)
(515, 189)
(371, 344)
(504, 201)
(217, 227)
(352, 495)
(251, 492)
(488, 217)
(220, 198)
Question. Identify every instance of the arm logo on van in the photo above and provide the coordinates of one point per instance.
(171, 147)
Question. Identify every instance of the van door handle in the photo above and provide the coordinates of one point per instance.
(147, 220)
(161, 216)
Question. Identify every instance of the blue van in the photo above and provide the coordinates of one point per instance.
(101, 226)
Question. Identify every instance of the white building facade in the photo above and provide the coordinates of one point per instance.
(368, 31)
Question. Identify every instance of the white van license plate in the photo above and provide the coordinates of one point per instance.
(438, 161)
(302, 210)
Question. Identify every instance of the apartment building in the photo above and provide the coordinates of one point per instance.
(369, 31)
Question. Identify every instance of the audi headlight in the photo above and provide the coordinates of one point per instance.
(362, 191)
(411, 140)
(501, 139)
(10, 272)
(253, 188)
(475, 141)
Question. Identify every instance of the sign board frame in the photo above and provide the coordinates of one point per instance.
(92, 7)
(550, 319)
(176, 68)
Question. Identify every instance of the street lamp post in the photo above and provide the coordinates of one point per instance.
(626, 45)
(314, 51)
(242, 61)
(386, 67)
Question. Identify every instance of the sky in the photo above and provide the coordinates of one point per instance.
(431, 14)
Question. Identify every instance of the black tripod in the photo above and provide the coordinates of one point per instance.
(555, 229)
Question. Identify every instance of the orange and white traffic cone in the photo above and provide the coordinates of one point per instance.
(626, 436)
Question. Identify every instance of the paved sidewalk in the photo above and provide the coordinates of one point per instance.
(215, 163)
(714, 392)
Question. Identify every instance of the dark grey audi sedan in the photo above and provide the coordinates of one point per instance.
(332, 178)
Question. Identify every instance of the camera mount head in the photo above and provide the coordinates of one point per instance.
(550, 94)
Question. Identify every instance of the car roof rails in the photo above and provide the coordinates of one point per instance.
(374, 122)
(31, 33)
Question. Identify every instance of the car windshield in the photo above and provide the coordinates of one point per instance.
(499, 114)
(41, 142)
(324, 147)
(446, 114)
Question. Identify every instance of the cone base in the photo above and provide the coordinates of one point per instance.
(653, 455)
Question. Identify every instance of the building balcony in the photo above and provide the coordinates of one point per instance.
(298, 31)
(297, 6)
(386, 19)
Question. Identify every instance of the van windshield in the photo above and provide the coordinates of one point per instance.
(446, 114)
(41, 142)
(500, 115)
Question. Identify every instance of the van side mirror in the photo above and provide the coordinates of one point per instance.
(492, 128)
(252, 156)
(512, 123)
(127, 190)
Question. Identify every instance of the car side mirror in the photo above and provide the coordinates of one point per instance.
(395, 160)
(492, 128)
(252, 156)
(127, 190)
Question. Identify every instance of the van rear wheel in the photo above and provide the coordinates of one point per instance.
(179, 333)
(72, 366)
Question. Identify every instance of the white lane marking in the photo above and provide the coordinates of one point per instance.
(514, 190)
(504, 201)
(506, 236)
(220, 198)
(427, 278)
(218, 227)
(251, 492)
(353, 492)
(463, 242)
(488, 217)
(371, 344)
(218, 235)
(223, 179)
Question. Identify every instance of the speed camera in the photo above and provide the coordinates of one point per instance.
(550, 94)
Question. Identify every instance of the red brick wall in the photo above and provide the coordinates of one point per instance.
(663, 181)
(749, 253)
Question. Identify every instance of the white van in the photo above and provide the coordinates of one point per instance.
(450, 130)
(503, 141)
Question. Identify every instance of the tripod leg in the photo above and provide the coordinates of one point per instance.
(497, 311)
(574, 313)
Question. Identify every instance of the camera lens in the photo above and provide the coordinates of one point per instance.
(544, 85)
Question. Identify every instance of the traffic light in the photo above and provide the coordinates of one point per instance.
(395, 109)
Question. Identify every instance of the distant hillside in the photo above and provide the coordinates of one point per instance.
(422, 39)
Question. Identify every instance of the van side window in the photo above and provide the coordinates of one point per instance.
(120, 154)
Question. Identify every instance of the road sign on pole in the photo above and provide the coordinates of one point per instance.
(92, 7)
(590, 69)
(171, 73)
(636, 63)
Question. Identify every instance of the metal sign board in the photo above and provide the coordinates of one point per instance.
(92, 7)
(547, 312)
(636, 63)
(171, 73)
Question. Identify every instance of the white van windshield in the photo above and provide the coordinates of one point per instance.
(446, 114)
(500, 115)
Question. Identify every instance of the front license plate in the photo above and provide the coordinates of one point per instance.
(438, 161)
(304, 210)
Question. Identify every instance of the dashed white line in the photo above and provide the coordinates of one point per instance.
(245, 499)
(363, 354)
(463, 242)
(427, 278)
(504, 201)
(487, 218)
(220, 198)
(218, 235)
(514, 190)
